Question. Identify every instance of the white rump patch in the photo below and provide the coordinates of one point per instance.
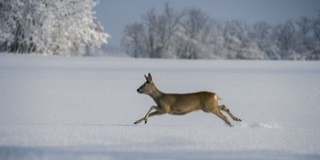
(216, 97)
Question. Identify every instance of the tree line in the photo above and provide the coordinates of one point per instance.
(193, 34)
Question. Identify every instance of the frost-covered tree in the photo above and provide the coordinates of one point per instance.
(64, 27)
(154, 37)
(194, 34)
(168, 26)
(304, 41)
(315, 55)
(134, 41)
(284, 37)
(233, 33)
(160, 30)
(260, 33)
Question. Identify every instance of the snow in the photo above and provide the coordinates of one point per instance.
(84, 108)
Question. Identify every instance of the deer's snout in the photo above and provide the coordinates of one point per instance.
(139, 90)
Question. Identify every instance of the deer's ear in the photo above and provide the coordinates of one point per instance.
(150, 77)
(146, 78)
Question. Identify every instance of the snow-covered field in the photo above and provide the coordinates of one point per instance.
(84, 108)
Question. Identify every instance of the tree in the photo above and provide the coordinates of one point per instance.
(134, 40)
(67, 27)
(154, 37)
(160, 30)
(233, 35)
(168, 26)
(284, 36)
(304, 40)
(315, 55)
(196, 30)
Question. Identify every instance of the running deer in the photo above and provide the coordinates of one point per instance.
(180, 104)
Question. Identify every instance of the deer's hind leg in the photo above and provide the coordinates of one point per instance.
(224, 108)
(223, 117)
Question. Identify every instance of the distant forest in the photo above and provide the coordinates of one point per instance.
(193, 34)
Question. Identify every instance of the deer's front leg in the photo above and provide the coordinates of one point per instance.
(145, 118)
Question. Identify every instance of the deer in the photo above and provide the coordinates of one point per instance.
(181, 104)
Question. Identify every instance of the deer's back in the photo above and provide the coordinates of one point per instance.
(184, 103)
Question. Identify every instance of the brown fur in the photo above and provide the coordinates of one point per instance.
(180, 104)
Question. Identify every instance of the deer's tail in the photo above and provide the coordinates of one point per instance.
(216, 97)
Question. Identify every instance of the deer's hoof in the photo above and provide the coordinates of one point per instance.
(229, 124)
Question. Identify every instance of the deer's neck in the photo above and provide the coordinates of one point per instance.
(156, 94)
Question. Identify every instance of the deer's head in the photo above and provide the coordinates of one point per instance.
(148, 86)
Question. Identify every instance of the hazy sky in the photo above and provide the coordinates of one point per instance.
(116, 14)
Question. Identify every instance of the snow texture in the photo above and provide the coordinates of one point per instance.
(84, 108)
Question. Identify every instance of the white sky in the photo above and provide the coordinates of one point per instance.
(116, 14)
